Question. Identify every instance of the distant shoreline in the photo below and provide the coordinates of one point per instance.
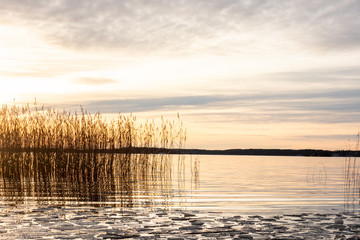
(253, 152)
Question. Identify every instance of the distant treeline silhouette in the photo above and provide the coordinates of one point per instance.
(255, 152)
(264, 152)
(33, 128)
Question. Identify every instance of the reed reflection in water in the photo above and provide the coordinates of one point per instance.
(352, 183)
(124, 180)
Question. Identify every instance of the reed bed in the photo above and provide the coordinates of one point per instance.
(25, 127)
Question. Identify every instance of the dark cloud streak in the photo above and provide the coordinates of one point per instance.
(327, 107)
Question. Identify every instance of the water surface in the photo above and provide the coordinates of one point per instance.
(241, 184)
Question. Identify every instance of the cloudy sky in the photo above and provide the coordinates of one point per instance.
(243, 74)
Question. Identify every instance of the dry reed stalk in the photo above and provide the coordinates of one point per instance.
(352, 179)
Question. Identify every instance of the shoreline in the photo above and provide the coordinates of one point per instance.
(81, 222)
(188, 151)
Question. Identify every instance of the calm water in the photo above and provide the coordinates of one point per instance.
(267, 184)
(242, 184)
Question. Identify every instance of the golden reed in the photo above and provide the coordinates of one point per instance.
(25, 127)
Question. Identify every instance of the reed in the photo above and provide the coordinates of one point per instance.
(352, 179)
(25, 127)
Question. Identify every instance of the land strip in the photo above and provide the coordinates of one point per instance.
(255, 152)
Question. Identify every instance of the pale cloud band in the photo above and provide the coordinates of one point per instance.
(94, 81)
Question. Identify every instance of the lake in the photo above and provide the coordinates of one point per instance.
(241, 184)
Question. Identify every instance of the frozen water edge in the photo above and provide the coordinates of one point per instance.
(76, 222)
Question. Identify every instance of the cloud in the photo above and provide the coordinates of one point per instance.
(326, 25)
(334, 136)
(94, 81)
(342, 106)
(151, 104)
(346, 76)
(188, 26)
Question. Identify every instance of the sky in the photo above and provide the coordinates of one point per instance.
(241, 73)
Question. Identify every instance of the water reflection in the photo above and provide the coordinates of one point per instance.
(352, 184)
(126, 180)
(317, 175)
